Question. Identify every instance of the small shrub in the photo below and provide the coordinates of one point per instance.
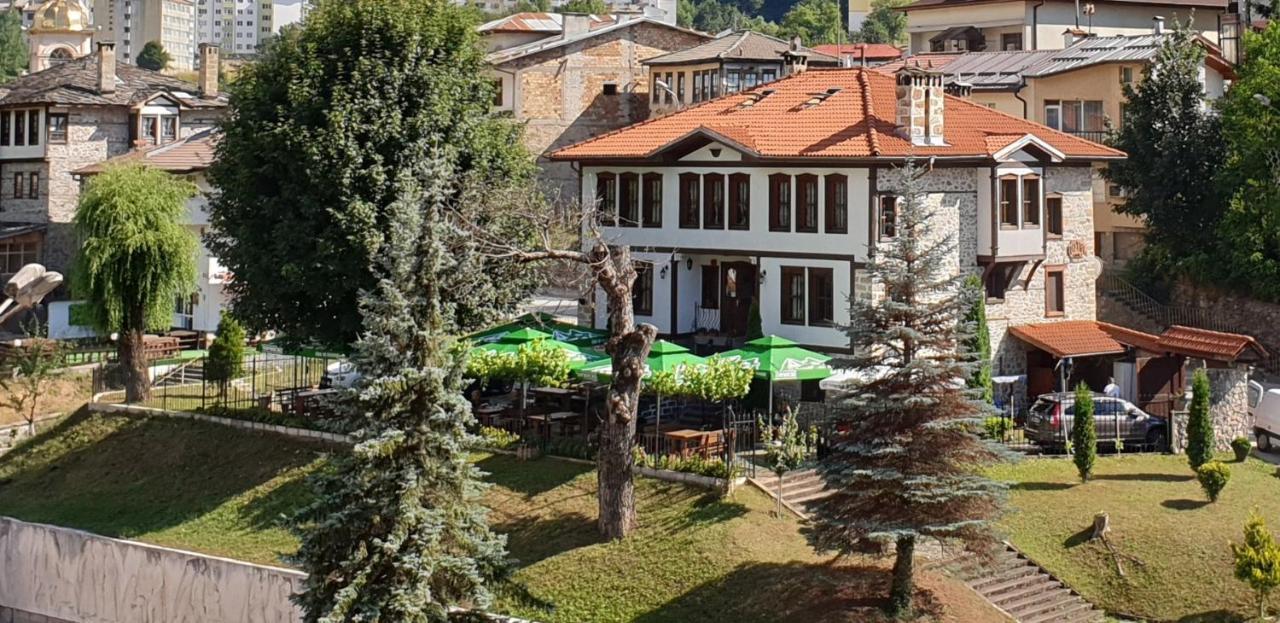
(997, 427)
(1257, 560)
(1213, 477)
(497, 438)
(712, 468)
(1242, 447)
(571, 448)
(1084, 437)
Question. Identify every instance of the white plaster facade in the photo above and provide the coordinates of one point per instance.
(959, 196)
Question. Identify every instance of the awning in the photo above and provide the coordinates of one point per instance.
(1069, 338)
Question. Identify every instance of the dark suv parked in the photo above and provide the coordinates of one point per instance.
(1051, 417)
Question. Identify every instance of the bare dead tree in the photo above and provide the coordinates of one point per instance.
(609, 266)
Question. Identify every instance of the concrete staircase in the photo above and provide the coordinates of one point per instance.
(1022, 589)
(799, 489)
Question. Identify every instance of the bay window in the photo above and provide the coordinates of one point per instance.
(1030, 201)
(1009, 201)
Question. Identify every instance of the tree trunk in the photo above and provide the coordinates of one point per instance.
(903, 587)
(133, 361)
(628, 347)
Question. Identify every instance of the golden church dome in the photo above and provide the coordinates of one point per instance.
(61, 16)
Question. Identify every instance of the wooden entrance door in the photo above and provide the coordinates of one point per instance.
(737, 291)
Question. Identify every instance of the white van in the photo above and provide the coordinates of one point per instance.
(1264, 406)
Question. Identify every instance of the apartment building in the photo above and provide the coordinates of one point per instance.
(130, 24)
(238, 27)
(1004, 25)
(776, 196)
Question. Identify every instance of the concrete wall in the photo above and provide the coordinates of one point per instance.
(74, 576)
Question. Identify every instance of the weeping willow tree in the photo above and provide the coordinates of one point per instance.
(136, 256)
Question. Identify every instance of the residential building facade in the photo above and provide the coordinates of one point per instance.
(1004, 25)
(776, 197)
(130, 24)
(581, 83)
(74, 114)
(238, 27)
(1078, 90)
(734, 61)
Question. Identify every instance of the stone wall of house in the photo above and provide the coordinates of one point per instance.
(1229, 404)
(560, 92)
(952, 195)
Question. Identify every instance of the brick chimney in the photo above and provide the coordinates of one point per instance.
(921, 101)
(209, 65)
(575, 24)
(106, 67)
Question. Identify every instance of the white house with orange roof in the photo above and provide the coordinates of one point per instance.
(776, 196)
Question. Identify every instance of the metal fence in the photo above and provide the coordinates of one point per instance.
(287, 384)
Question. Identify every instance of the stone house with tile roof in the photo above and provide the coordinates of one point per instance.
(777, 195)
(74, 114)
(584, 81)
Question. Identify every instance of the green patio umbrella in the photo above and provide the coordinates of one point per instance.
(511, 341)
(779, 359)
(663, 356)
(546, 323)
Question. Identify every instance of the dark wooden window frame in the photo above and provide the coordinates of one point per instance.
(1008, 206)
(791, 277)
(642, 290)
(713, 201)
(628, 200)
(33, 185)
(821, 290)
(807, 203)
(837, 204)
(690, 200)
(59, 137)
(710, 298)
(887, 205)
(607, 198)
(1053, 221)
(740, 202)
(17, 185)
(780, 202)
(1031, 206)
(1060, 291)
(651, 199)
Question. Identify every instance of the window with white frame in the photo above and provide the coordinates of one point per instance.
(1019, 200)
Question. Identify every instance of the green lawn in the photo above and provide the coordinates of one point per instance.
(694, 558)
(1174, 544)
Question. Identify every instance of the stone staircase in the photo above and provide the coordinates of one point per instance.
(799, 489)
(1022, 589)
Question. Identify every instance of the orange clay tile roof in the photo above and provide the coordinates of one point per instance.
(1069, 338)
(189, 155)
(1213, 345)
(859, 50)
(856, 122)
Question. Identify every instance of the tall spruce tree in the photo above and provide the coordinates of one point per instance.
(904, 464)
(397, 531)
(320, 126)
(1175, 147)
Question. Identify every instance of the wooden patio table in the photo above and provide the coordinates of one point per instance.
(683, 438)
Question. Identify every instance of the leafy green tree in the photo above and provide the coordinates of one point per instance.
(715, 17)
(1175, 148)
(786, 447)
(13, 46)
(1200, 439)
(311, 153)
(718, 380)
(815, 22)
(885, 23)
(1247, 256)
(153, 56)
(226, 355)
(136, 256)
(397, 531)
(36, 363)
(905, 462)
(594, 7)
(1257, 560)
(979, 342)
(1084, 435)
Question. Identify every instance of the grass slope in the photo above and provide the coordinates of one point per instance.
(695, 557)
(1181, 565)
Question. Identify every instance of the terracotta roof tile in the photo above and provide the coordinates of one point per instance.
(1069, 338)
(1214, 345)
(857, 121)
(191, 154)
(857, 51)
